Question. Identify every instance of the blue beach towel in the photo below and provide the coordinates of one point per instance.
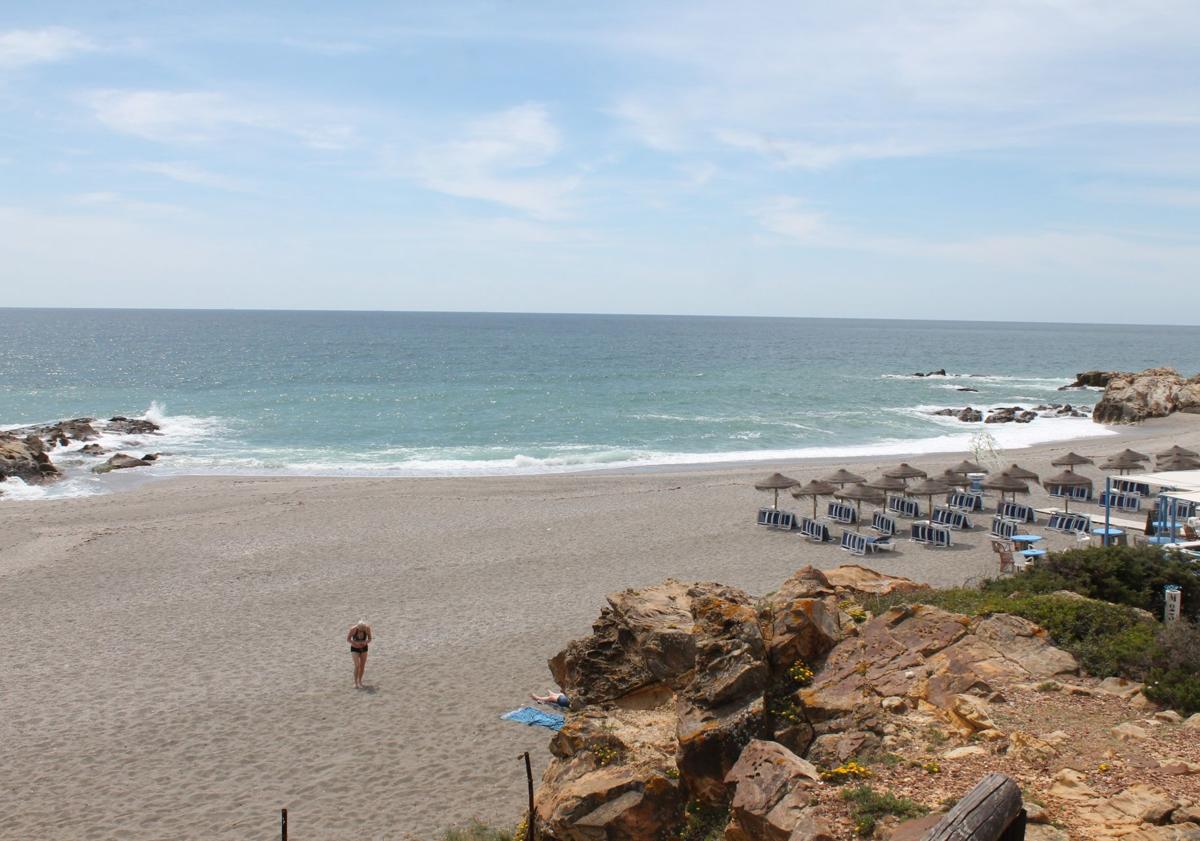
(533, 717)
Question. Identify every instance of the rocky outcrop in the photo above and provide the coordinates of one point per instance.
(772, 795)
(940, 372)
(1153, 393)
(697, 695)
(1089, 379)
(25, 459)
(120, 461)
(131, 426)
(1012, 414)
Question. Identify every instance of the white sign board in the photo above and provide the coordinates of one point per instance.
(1174, 604)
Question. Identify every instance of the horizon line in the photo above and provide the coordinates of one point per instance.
(596, 315)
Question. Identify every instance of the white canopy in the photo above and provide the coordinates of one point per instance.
(1186, 480)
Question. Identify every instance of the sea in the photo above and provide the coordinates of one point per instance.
(271, 393)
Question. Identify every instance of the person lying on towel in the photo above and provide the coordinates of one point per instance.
(556, 699)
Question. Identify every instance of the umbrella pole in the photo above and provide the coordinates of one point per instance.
(814, 506)
(776, 499)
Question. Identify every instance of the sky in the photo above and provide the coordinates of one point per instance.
(1008, 160)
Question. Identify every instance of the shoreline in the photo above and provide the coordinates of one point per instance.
(192, 672)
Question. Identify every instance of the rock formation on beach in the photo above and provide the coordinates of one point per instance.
(1012, 414)
(1153, 393)
(698, 702)
(25, 452)
(1089, 379)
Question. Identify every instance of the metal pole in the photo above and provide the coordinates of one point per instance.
(531, 826)
(1108, 492)
(283, 824)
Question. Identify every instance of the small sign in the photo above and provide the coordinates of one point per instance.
(1173, 607)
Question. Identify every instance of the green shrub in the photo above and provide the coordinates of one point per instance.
(703, 822)
(476, 831)
(1174, 680)
(867, 806)
(1128, 575)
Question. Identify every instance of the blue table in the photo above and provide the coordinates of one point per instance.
(1034, 553)
(1106, 535)
(1026, 541)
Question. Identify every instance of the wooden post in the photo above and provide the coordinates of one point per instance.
(991, 811)
(531, 823)
(283, 824)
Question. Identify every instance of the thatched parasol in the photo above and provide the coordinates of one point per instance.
(1018, 472)
(1067, 479)
(1121, 464)
(964, 467)
(905, 472)
(776, 482)
(930, 488)
(843, 477)
(1177, 451)
(1179, 463)
(1070, 460)
(1005, 483)
(814, 488)
(858, 494)
(887, 483)
(1131, 455)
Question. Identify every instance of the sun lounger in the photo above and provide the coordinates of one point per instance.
(1018, 512)
(882, 523)
(814, 530)
(764, 516)
(861, 544)
(1067, 523)
(950, 518)
(930, 535)
(1127, 487)
(1121, 501)
(904, 506)
(1080, 492)
(966, 502)
(840, 512)
(1003, 528)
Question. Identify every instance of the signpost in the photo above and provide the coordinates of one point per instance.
(1173, 606)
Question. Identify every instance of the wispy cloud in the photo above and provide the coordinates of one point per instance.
(191, 174)
(23, 47)
(500, 158)
(206, 116)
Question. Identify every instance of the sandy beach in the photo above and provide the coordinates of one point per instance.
(175, 663)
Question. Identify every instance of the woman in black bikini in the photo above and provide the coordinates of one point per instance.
(358, 637)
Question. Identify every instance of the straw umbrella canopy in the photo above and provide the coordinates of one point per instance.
(905, 472)
(1177, 451)
(1179, 463)
(1121, 464)
(1018, 472)
(1070, 460)
(776, 482)
(814, 488)
(858, 494)
(1068, 479)
(887, 483)
(1005, 483)
(931, 488)
(964, 467)
(843, 477)
(1131, 455)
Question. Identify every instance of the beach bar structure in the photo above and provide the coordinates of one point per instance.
(1178, 493)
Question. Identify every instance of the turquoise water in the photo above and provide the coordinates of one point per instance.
(442, 393)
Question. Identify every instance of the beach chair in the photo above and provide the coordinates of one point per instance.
(1005, 554)
(882, 544)
(919, 533)
(1003, 528)
(883, 524)
(764, 516)
(941, 538)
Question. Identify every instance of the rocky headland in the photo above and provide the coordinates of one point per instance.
(700, 712)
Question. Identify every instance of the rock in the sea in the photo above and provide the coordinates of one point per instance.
(969, 415)
(1090, 379)
(92, 449)
(120, 461)
(131, 426)
(965, 388)
(25, 459)
(1153, 393)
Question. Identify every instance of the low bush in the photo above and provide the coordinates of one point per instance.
(476, 831)
(703, 822)
(1174, 679)
(868, 806)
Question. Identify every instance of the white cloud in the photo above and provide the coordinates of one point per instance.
(23, 47)
(190, 174)
(788, 217)
(496, 159)
(205, 116)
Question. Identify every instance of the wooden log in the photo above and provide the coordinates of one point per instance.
(986, 813)
(531, 829)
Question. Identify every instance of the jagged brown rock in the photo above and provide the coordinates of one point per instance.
(1153, 393)
(120, 461)
(772, 795)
